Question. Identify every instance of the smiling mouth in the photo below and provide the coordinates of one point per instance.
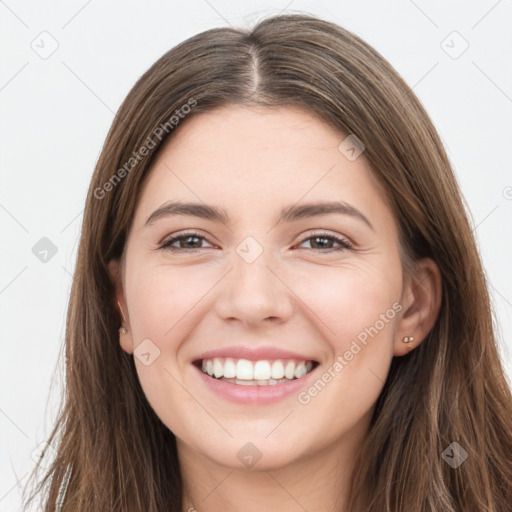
(255, 373)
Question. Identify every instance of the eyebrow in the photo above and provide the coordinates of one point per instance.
(288, 214)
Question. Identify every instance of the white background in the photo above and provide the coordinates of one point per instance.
(55, 113)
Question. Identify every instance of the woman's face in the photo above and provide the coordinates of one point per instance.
(254, 283)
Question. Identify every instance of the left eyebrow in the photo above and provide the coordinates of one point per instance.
(288, 214)
(296, 212)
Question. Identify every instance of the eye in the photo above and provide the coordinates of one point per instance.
(325, 240)
(190, 239)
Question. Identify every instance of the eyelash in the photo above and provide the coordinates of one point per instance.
(344, 244)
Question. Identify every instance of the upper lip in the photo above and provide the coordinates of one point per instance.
(252, 353)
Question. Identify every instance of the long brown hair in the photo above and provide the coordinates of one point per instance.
(452, 388)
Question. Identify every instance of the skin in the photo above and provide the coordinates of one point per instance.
(296, 295)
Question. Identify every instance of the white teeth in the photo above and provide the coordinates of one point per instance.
(300, 370)
(244, 370)
(277, 370)
(262, 370)
(289, 371)
(269, 382)
(229, 368)
(218, 368)
(245, 382)
(261, 373)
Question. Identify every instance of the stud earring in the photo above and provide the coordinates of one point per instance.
(123, 330)
(408, 339)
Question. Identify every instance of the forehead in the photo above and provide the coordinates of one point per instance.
(248, 159)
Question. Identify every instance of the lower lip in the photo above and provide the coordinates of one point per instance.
(254, 394)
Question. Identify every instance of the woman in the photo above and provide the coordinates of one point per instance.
(278, 302)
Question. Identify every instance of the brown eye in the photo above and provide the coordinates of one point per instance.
(325, 242)
(191, 241)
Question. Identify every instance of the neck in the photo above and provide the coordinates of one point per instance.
(318, 481)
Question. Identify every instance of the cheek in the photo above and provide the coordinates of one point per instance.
(360, 311)
(162, 298)
(162, 304)
(350, 303)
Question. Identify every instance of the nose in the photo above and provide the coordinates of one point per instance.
(254, 293)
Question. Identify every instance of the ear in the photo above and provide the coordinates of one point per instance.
(421, 301)
(125, 340)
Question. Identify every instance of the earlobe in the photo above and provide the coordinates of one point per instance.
(422, 302)
(125, 338)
